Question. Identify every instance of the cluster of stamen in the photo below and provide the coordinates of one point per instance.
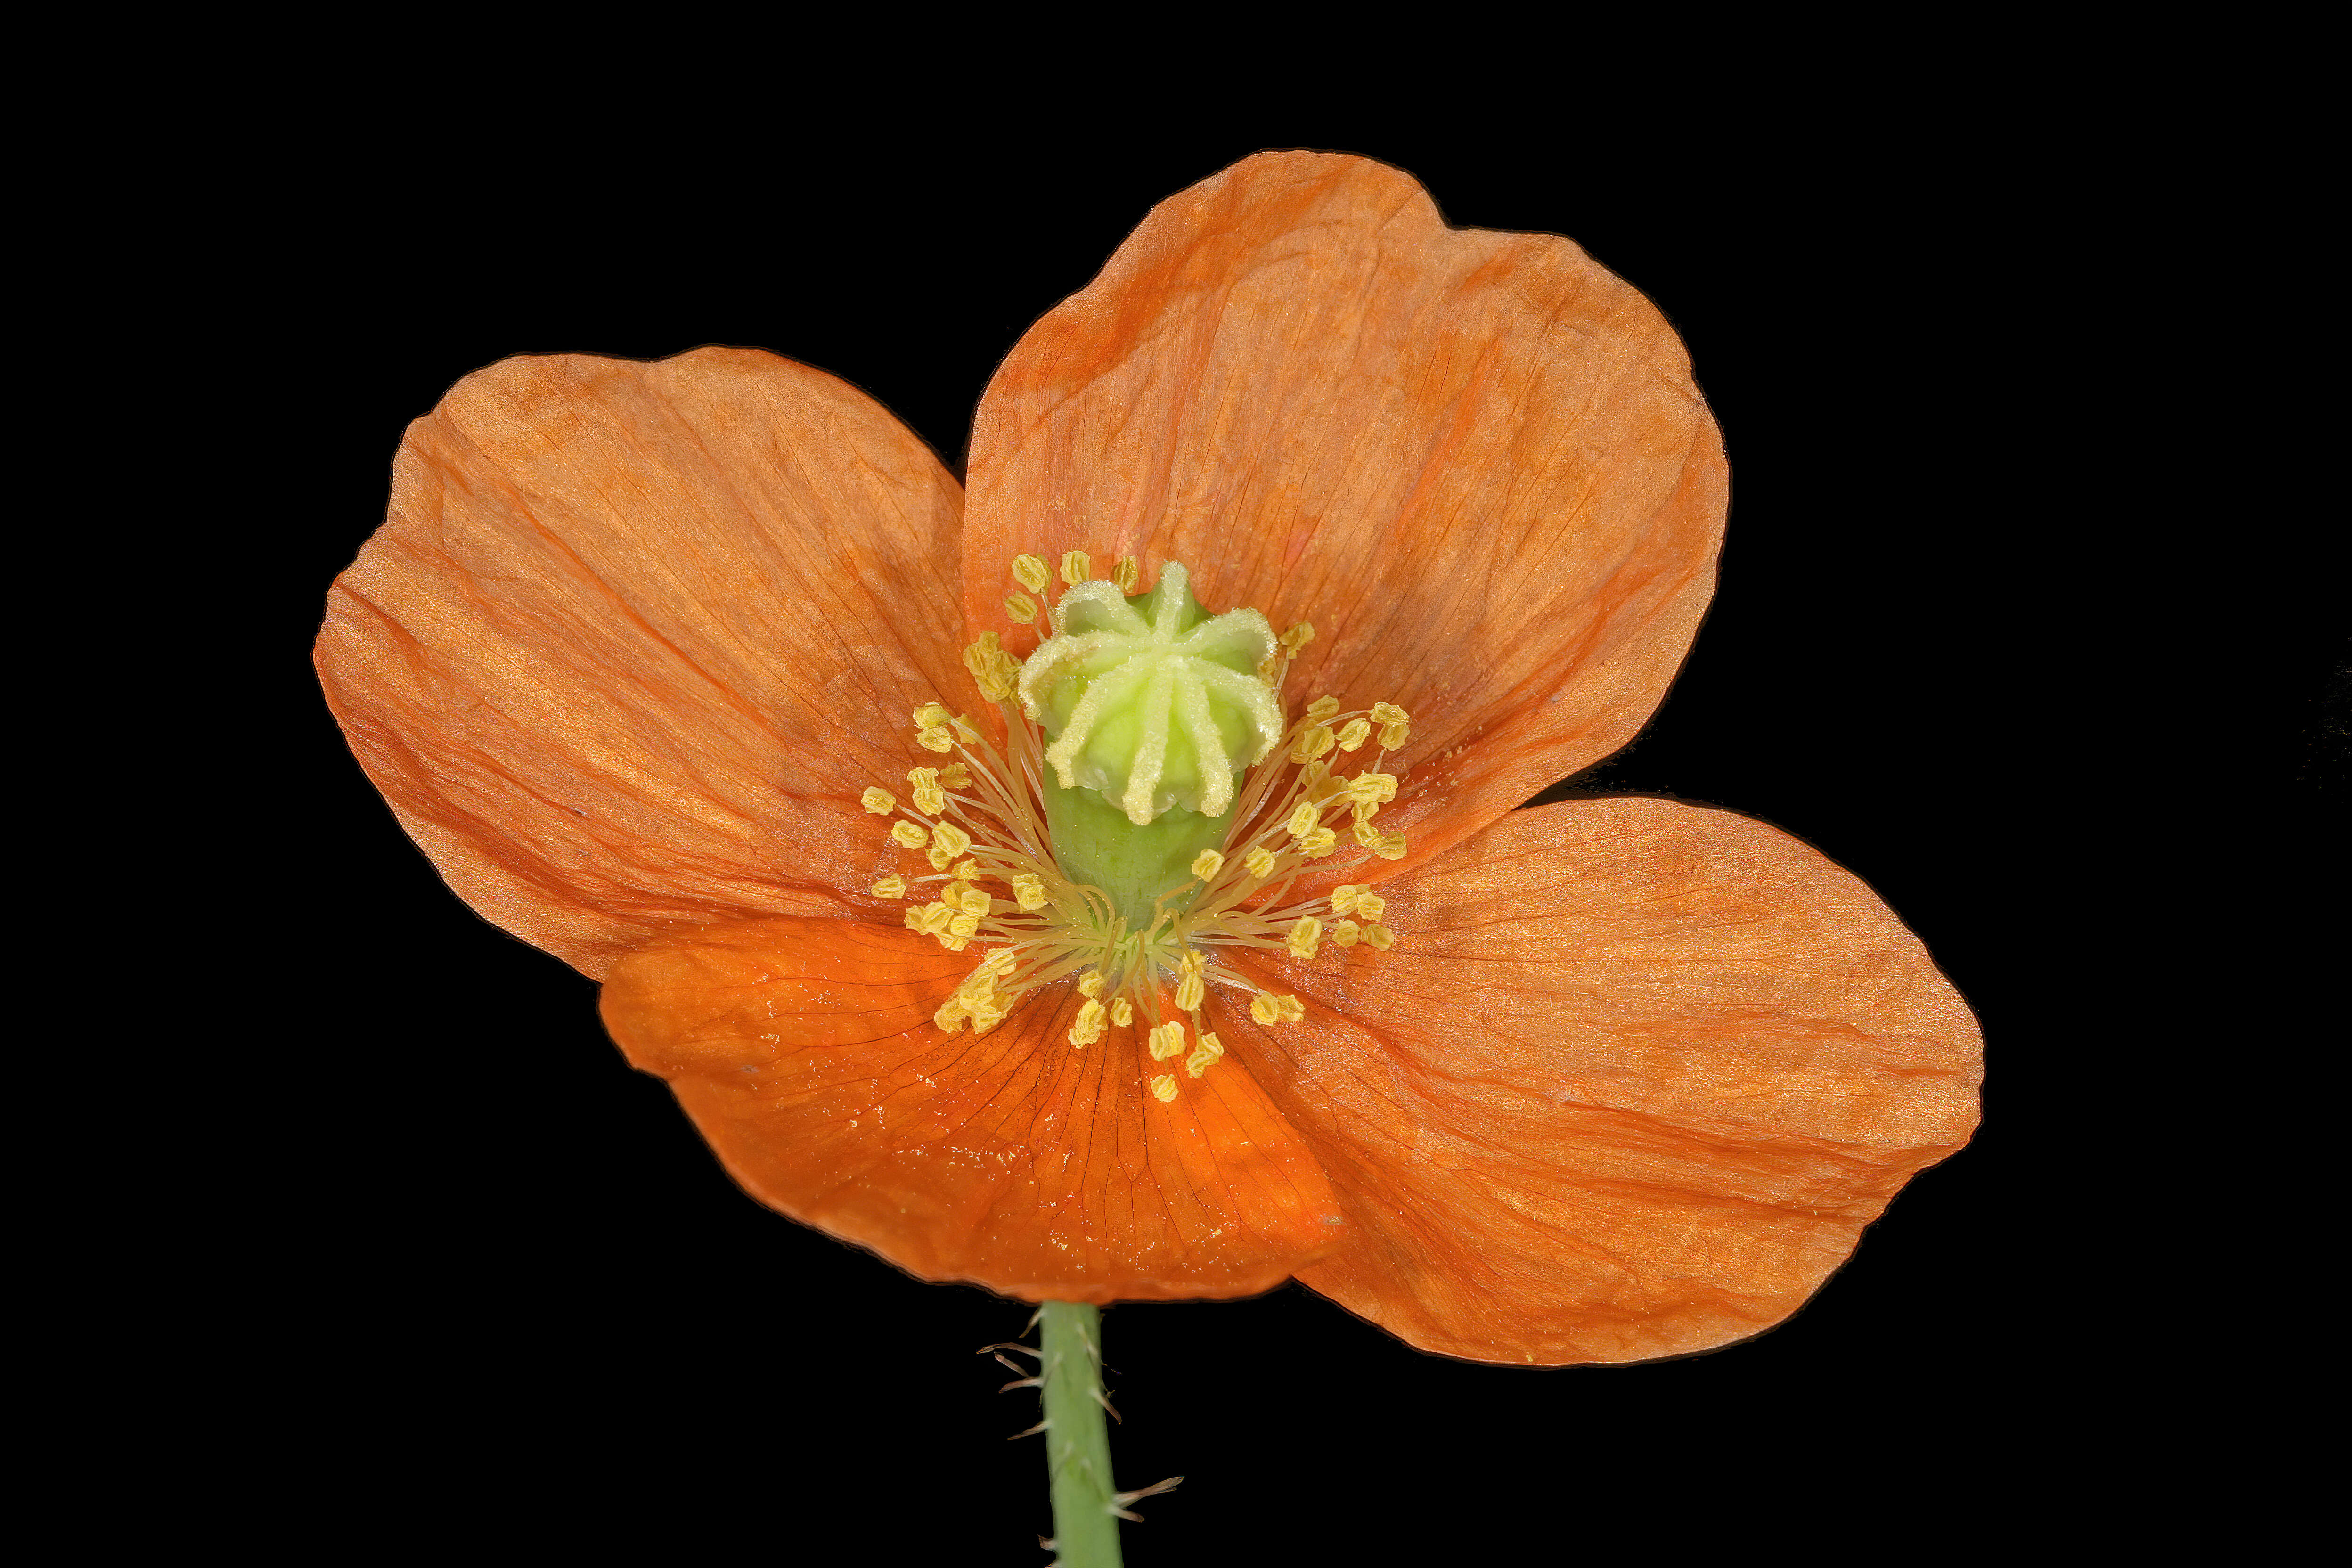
(980, 819)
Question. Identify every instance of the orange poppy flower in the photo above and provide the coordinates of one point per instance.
(639, 644)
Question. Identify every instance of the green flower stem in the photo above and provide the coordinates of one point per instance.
(1077, 1444)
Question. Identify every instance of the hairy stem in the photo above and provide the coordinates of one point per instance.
(1078, 1446)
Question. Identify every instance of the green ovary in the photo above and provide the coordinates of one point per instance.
(1152, 708)
(1095, 843)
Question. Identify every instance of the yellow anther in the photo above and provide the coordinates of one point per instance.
(1323, 789)
(1208, 1051)
(937, 857)
(1363, 811)
(1090, 984)
(931, 715)
(1322, 710)
(979, 654)
(1311, 744)
(1378, 936)
(1290, 1008)
(1317, 843)
(1122, 1012)
(1189, 992)
(1345, 934)
(996, 671)
(964, 926)
(955, 943)
(1163, 1088)
(955, 775)
(966, 871)
(987, 1012)
(1207, 864)
(1354, 734)
(1029, 892)
(889, 887)
(1391, 847)
(1297, 637)
(915, 918)
(935, 918)
(878, 801)
(1029, 571)
(1259, 862)
(1388, 713)
(936, 739)
(1343, 898)
(963, 896)
(1366, 834)
(1192, 961)
(999, 963)
(909, 835)
(1020, 607)
(1168, 1041)
(1302, 821)
(1394, 735)
(1089, 1026)
(1265, 1008)
(1373, 787)
(1077, 567)
(950, 1016)
(946, 835)
(1371, 906)
(1125, 574)
(1304, 936)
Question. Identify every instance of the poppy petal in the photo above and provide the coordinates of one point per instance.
(1475, 461)
(633, 638)
(806, 1052)
(1629, 1084)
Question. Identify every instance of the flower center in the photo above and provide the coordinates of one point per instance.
(1155, 808)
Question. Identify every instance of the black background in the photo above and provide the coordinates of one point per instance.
(495, 1238)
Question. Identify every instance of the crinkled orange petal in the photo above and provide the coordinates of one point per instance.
(1629, 1084)
(1475, 461)
(806, 1052)
(635, 636)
